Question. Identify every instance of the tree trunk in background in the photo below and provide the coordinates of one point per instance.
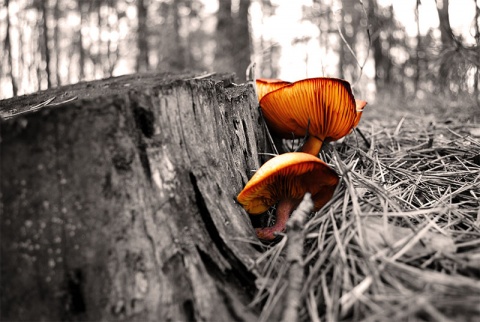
(325, 15)
(81, 50)
(376, 44)
(178, 50)
(120, 205)
(446, 34)
(387, 58)
(241, 41)
(56, 42)
(268, 60)
(342, 49)
(233, 45)
(44, 43)
(224, 38)
(350, 27)
(96, 55)
(170, 47)
(476, 85)
(112, 56)
(23, 67)
(417, 51)
(448, 42)
(142, 37)
(8, 48)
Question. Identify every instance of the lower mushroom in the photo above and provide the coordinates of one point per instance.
(285, 179)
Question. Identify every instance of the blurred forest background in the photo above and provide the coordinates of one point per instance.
(48, 43)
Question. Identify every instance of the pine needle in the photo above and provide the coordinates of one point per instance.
(400, 239)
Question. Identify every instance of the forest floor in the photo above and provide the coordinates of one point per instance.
(400, 240)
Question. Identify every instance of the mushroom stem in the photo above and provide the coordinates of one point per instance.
(312, 145)
(284, 209)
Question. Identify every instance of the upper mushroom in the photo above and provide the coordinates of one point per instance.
(323, 108)
(285, 179)
(266, 85)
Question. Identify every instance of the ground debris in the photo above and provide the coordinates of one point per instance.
(400, 239)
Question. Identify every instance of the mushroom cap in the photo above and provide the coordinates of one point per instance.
(267, 85)
(288, 176)
(324, 106)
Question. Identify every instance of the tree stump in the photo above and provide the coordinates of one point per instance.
(119, 205)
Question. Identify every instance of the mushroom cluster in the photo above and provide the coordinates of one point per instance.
(320, 109)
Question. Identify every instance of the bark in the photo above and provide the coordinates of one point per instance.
(120, 205)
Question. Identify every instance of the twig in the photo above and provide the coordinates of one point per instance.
(363, 137)
(71, 99)
(296, 240)
(203, 76)
(31, 109)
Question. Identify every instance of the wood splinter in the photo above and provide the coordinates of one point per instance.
(295, 244)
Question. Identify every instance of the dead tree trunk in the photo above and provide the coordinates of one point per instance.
(119, 205)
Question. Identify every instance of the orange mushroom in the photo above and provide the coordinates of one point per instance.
(323, 108)
(285, 179)
(266, 85)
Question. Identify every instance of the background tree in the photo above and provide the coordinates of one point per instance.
(378, 22)
(224, 48)
(241, 40)
(8, 50)
(476, 85)
(446, 32)
(266, 51)
(457, 60)
(351, 15)
(45, 39)
(418, 52)
(48, 43)
(232, 51)
(142, 36)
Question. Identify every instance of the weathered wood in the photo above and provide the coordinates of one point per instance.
(120, 205)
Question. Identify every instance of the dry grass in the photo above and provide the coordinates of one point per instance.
(400, 240)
